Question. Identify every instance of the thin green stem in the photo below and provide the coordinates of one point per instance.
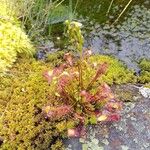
(123, 11)
(109, 7)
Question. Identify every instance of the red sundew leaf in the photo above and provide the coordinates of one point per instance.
(80, 131)
(63, 81)
(87, 53)
(63, 110)
(73, 133)
(68, 58)
(55, 113)
(97, 113)
(48, 75)
(79, 117)
(64, 94)
(58, 70)
(114, 117)
(100, 71)
(87, 95)
(113, 106)
(104, 92)
(50, 114)
(83, 93)
(102, 118)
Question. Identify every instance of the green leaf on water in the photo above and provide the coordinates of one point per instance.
(59, 14)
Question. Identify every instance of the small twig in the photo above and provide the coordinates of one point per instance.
(75, 8)
(109, 7)
(59, 3)
(123, 11)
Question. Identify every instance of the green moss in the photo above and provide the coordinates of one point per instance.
(117, 73)
(13, 40)
(145, 65)
(7, 11)
(145, 71)
(144, 77)
(55, 58)
(147, 85)
(22, 95)
(57, 146)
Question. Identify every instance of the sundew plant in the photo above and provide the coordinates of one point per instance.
(77, 92)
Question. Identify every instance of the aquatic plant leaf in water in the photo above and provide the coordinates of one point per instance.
(59, 14)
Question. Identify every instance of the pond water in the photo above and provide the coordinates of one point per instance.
(127, 40)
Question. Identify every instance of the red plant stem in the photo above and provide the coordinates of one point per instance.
(80, 74)
(101, 70)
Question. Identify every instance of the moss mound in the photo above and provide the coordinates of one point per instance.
(22, 96)
(117, 73)
(145, 71)
(13, 40)
(55, 58)
(7, 11)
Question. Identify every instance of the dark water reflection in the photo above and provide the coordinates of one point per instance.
(129, 40)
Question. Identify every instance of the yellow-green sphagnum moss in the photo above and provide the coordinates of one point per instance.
(55, 58)
(13, 40)
(7, 11)
(22, 96)
(145, 71)
(117, 73)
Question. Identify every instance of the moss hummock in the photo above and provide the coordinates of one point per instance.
(13, 40)
(145, 71)
(23, 93)
(117, 73)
